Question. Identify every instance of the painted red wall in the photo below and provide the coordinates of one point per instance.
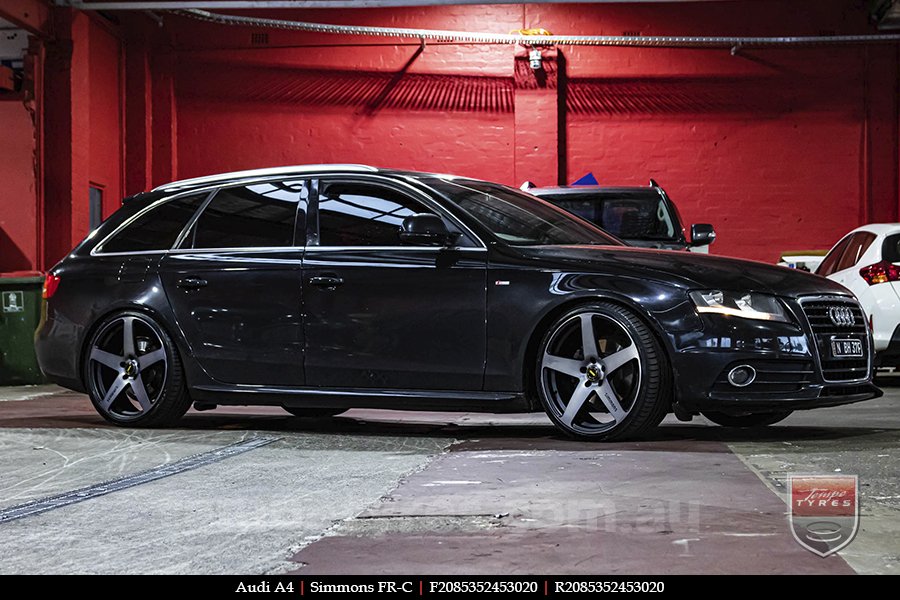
(780, 149)
(18, 242)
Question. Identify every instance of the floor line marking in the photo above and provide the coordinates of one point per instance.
(42, 505)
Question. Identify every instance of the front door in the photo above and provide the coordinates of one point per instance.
(381, 314)
(235, 285)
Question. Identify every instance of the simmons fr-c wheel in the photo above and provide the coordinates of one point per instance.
(601, 374)
(133, 373)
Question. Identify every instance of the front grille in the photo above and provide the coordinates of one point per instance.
(824, 329)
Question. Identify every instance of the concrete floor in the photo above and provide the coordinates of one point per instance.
(416, 493)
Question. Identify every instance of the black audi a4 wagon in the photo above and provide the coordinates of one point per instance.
(322, 288)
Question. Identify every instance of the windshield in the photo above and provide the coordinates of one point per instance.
(517, 218)
(630, 215)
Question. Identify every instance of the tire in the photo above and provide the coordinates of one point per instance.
(621, 388)
(314, 413)
(136, 379)
(748, 420)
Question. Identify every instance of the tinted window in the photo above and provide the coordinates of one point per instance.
(641, 216)
(859, 243)
(363, 214)
(831, 259)
(261, 215)
(519, 218)
(890, 249)
(158, 228)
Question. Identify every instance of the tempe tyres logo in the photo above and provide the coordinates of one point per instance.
(824, 513)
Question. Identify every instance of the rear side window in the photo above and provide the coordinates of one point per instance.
(858, 245)
(830, 262)
(260, 215)
(158, 228)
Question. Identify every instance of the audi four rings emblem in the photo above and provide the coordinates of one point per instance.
(841, 316)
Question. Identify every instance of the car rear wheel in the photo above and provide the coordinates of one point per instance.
(602, 375)
(314, 413)
(747, 420)
(133, 373)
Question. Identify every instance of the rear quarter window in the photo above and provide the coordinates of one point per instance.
(157, 228)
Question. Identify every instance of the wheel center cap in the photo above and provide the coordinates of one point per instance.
(594, 373)
(132, 368)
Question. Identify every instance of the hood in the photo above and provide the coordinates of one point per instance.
(685, 269)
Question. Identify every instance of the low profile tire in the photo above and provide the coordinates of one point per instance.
(602, 375)
(314, 413)
(748, 420)
(133, 372)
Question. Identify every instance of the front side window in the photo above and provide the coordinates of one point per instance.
(363, 214)
(158, 228)
(260, 215)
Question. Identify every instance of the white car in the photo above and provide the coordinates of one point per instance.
(867, 262)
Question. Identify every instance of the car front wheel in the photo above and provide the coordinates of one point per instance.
(602, 375)
(133, 373)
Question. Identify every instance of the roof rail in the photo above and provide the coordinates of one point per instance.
(274, 171)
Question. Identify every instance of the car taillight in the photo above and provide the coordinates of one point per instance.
(881, 272)
(51, 282)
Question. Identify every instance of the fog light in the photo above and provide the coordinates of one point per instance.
(741, 376)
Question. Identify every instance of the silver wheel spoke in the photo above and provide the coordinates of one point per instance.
(563, 365)
(611, 401)
(151, 358)
(618, 359)
(140, 392)
(588, 341)
(128, 336)
(579, 397)
(107, 359)
(113, 392)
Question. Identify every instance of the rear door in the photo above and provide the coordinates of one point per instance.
(234, 283)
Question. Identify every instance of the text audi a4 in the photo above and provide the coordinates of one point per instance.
(322, 288)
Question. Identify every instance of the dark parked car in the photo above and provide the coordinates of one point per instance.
(640, 216)
(322, 288)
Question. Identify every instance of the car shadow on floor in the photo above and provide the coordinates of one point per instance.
(465, 430)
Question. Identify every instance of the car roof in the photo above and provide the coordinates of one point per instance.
(257, 173)
(588, 189)
(296, 170)
(878, 228)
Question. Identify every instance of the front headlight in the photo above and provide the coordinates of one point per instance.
(761, 307)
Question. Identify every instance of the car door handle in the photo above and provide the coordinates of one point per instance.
(192, 283)
(326, 281)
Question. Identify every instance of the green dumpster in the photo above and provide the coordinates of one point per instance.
(19, 316)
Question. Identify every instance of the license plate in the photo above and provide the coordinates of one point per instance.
(846, 348)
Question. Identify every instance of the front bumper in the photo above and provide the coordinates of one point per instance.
(794, 369)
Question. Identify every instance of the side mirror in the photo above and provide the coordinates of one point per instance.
(425, 229)
(702, 234)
